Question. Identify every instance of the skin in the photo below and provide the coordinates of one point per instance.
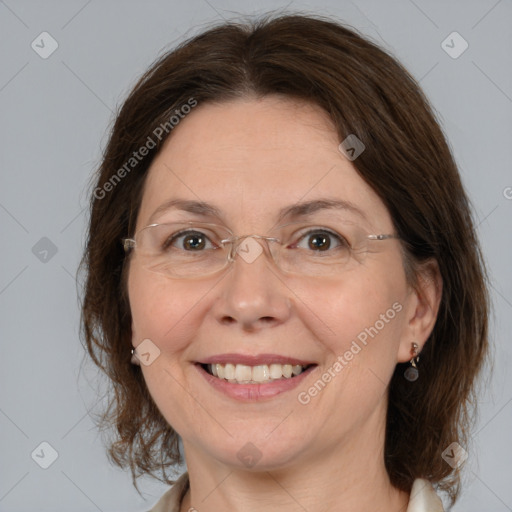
(250, 157)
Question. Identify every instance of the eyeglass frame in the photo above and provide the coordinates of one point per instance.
(131, 243)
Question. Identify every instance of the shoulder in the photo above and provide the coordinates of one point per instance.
(171, 500)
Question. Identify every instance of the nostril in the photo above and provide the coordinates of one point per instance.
(228, 320)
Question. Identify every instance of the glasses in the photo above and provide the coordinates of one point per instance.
(195, 249)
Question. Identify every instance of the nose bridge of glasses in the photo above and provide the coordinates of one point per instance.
(249, 247)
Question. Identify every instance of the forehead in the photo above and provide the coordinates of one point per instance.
(252, 157)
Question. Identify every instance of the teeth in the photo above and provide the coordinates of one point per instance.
(244, 374)
(276, 371)
(229, 371)
(287, 370)
(260, 373)
(297, 369)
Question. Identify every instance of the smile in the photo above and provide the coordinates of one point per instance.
(244, 385)
(245, 374)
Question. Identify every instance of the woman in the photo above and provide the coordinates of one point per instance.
(282, 272)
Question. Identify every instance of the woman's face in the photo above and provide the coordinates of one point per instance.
(250, 159)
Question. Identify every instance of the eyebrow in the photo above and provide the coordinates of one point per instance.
(196, 207)
(297, 210)
(309, 207)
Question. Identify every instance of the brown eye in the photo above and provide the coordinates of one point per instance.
(187, 241)
(321, 240)
(193, 242)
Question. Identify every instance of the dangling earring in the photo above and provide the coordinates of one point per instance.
(412, 373)
(134, 359)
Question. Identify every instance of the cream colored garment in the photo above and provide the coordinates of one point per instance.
(423, 497)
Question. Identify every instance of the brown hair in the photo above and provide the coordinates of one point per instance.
(407, 162)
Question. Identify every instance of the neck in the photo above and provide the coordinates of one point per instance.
(347, 477)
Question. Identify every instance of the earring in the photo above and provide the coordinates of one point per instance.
(134, 359)
(412, 373)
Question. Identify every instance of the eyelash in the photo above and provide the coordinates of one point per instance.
(171, 240)
(342, 241)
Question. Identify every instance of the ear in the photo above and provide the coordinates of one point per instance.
(421, 309)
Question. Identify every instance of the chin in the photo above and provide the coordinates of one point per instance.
(258, 454)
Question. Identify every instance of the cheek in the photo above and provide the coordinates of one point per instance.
(361, 313)
(159, 308)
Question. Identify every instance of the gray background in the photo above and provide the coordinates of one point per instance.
(54, 117)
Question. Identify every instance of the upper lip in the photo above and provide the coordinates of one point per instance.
(254, 360)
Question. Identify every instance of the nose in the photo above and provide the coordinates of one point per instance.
(253, 295)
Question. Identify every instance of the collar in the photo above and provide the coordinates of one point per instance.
(423, 497)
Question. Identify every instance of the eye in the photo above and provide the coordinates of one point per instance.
(191, 240)
(321, 240)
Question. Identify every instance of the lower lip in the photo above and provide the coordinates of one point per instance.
(253, 392)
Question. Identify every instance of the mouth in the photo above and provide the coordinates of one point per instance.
(257, 374)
